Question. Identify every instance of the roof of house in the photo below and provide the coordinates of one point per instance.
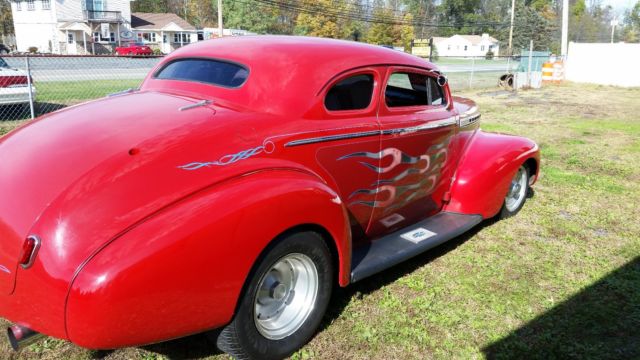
(158, 21)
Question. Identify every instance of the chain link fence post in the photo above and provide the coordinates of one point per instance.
(29, 83)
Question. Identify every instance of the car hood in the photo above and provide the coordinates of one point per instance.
(81, 176)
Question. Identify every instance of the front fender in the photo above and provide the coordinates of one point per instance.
(182, 271)
(485, 171)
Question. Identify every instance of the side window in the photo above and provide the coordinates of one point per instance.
(412, 89)
(352, 93)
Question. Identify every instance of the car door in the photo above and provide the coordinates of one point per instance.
(347, 124)
(417, 157)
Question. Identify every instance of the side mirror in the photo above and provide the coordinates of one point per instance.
(442, 80)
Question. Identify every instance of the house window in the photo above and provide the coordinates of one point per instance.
(18, 5)
(165, 38)
(97, 37)
(148, 37)
(181, 38)
(465, 48)
(70, 39)
(353, 93)
(490, 47)
(31, 4)
(481, 47)
(448, 47)
(46, 4)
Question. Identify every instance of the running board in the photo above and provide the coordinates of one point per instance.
(408, 242)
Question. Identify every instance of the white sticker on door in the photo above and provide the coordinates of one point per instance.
(418, 235)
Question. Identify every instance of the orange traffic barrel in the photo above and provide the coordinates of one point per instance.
(547, 72)
(558, 71)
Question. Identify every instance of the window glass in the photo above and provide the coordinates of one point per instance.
(412, 89)
(46, 5)
(350, 94)
(208, 71)
(31, 4)
(3, 64)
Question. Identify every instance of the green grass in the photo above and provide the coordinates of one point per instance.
(561, 280)
(73, 92)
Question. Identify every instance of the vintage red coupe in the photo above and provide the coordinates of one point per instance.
(243, 180)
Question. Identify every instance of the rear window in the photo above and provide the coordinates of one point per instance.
(208, 71)
(353, 93)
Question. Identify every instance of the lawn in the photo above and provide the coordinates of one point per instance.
(561, 280)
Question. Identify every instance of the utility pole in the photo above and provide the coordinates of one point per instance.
(565, 29)
(614, 23)
(513, 14)
(220, 27)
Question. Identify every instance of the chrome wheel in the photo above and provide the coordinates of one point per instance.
(517, 190)
(286, 296)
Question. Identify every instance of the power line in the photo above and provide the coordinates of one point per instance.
(362, 16)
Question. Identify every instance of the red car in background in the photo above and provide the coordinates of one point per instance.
(243, 180)
(134, 49)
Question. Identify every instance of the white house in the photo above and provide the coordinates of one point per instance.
(466, 45)
(164, 31)
(70, 26)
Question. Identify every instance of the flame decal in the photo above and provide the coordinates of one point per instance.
(427, 164)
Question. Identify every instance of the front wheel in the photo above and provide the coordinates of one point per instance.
(284, 301)
(517, 194)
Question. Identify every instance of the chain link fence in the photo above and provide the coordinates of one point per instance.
(56, 82)
(60, 81)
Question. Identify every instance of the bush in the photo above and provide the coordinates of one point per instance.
(32, 49)
(157, 51)
(489, 55)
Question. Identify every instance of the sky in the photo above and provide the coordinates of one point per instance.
(619, 6)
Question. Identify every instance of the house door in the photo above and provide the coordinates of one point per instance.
(72, 49)
(166, 47)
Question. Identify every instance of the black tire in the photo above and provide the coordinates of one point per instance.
(509, 211)
(241, 338)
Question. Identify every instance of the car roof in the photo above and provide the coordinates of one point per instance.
(286, 70)
(306, 52)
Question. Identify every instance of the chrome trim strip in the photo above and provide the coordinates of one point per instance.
(32, 258)
(469, 117)
(123, 92)
(5, 269)
(331, 138)
(428, 126)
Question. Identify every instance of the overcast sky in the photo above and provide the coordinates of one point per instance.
(619, 5)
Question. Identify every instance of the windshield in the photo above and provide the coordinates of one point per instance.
(3, 63)
(209, 71)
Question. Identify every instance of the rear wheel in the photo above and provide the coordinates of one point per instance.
(517, 194)
(284, 301)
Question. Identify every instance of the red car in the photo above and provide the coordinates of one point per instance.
(243, 180)
(137, 49)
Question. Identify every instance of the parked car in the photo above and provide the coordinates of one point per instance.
(14, 85)
(233, 191)
(137, 49)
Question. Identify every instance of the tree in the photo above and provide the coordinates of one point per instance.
(406, 32)
(251, 16)
(382, 31)
(316, 22)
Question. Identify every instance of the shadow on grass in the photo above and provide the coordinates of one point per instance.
(342, 296)
(600, 322)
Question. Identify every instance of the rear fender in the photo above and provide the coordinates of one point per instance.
(182, 271)
(485, 171)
